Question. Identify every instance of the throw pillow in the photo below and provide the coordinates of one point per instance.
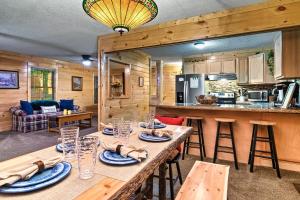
(66, 104)
(171, 121)
(26, 107)
(48, 109)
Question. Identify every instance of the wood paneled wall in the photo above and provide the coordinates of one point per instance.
(137, 103)
(64, 72)
(265, 16)
(169, 83)
(9, 98)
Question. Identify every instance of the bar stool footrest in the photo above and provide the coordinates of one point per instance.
(260, 151)
(224, 135)
(268, 157)
(224, 151)
(262, 139)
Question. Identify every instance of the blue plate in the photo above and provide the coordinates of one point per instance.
(61, 176)
(156, 126)
(41, 177)
(108, 131)
(113, 156)
(59, 147)
(150, 138)
(103, 159)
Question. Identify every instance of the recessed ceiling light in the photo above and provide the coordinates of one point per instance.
(199, 44)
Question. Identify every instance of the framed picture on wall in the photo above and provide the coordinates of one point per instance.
(77, 83)
(9, 79)
(141, 81)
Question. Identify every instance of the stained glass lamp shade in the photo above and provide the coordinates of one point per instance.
(121, 15)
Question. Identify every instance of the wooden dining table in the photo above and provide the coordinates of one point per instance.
(108, 182)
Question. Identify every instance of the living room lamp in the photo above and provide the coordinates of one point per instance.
(121, 15)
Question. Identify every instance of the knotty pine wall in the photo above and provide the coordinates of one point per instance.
(169, 83)
(64, 71)
(136, 106)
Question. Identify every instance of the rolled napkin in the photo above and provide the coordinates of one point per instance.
(138, 154)
(25, 172)
(109, 126)
(158, 132)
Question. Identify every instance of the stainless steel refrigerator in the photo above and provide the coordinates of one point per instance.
(188, 86)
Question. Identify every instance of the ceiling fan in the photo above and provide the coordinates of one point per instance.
(87, 60)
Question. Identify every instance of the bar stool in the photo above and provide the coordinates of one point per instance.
(269, 139)
(225, 149)
(174, 160)
(199, 132)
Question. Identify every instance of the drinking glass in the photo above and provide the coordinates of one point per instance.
(116, 124)
(124, 132)
(69, 135)
(150, 121)
(86, 155)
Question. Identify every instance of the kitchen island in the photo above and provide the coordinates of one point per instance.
(287, 129)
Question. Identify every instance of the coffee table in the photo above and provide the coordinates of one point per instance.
(62, 119)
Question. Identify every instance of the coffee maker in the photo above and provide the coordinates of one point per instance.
(280, 91)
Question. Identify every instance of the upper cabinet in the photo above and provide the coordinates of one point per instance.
(214, 67)
(286, 52)
(259, 72)
(188, 68)
(200, 67)
(228, 66)
(242, 70)
(256, 68)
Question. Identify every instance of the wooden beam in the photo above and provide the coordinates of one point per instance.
(267, 16)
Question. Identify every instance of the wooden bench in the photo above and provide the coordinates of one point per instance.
(205, 181)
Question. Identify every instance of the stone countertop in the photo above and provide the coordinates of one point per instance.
(255, 107)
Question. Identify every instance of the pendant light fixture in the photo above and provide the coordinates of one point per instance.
(121, 15)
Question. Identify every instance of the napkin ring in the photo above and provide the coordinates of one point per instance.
(40, 164)
(118, 149)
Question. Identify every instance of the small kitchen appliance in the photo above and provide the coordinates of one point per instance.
(258, 95)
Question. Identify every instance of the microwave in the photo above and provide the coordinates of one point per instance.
(258, 95)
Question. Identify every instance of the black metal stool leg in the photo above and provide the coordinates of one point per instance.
(184, 149)
(271, 147)
(233, 146)
(199, 139)
(253, 152)
(171, 182)
(179, 172)
(202, 138)
(189, 138)
(275, 152)
(251, 145)
(217, 143)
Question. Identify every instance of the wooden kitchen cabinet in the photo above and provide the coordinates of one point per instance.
(188, 68)
(229, 66)
(200, 67)
(256, 68)
(242, 70)
(214, 67)
(286, 53)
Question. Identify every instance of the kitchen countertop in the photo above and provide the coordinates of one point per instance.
(250, 107)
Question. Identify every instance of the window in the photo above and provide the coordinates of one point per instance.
(42, 84)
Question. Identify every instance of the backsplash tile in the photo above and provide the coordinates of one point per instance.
(222, 86)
